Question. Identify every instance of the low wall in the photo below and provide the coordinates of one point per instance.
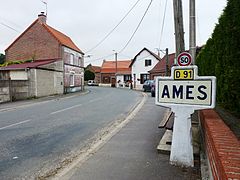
(19, 89)
(13, 90)
(222, 147)
(4, 91)
(105, 85)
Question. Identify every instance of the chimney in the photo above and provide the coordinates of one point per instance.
(42, 18)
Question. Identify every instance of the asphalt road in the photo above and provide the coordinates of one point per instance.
(40, 137)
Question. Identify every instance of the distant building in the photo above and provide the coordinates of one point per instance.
(109, 73)
(141, 64)
(56, 65)
(97, 72)
(160, 68)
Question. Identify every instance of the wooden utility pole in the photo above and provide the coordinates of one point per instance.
(192, 30)
(179, 30)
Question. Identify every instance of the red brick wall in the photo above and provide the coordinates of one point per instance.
(153, 75)
(222, 147)
(106, 78)
(35, 43)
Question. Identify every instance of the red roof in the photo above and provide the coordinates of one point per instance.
(62, 38)
(122, 67)
(33, 64)
(161, 65)
(96, 69)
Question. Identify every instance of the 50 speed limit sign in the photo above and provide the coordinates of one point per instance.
(184, 59)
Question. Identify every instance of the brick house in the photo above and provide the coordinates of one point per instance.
(109, 73)
(160, 68)
(63, 69)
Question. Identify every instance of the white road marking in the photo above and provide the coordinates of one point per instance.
(55, 112)
(5, 127)
(97, 99)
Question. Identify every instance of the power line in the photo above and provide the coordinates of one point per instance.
(101, 58)
(137, 27)
(100, 42)
(9, 27)
(163, 22)
(11, 22)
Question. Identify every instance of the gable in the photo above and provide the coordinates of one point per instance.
(34, 43)
(145, 50)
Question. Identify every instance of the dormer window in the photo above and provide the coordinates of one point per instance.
(148, 62)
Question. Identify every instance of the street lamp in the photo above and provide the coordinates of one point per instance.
(116, 54)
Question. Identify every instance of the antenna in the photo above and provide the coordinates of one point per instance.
(44, 2)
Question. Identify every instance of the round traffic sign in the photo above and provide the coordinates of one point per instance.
(184, 59)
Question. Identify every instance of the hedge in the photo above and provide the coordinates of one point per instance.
(221, 57)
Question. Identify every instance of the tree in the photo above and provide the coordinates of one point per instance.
(88, 75)
(2, 58)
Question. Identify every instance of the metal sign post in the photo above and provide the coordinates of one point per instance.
(184, 92)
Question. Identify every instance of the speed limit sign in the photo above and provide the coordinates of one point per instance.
(184, 59)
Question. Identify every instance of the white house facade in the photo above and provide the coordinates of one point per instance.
(143, 62)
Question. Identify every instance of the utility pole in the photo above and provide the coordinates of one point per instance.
(179, 30)
(167, 67)
(192, 30)
(116, 67)
(181, 148)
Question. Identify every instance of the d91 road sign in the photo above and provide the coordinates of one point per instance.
(186, 88)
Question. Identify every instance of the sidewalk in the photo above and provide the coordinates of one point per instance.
(132, 153)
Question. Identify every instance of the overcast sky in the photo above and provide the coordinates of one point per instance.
(87, 22)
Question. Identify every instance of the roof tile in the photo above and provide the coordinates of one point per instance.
(62, 38)
(122, 67)
(33, 64)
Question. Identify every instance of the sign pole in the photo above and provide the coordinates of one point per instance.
(182, 148)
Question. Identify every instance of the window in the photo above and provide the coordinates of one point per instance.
(80, 61)
(144, 77)
(106, 80)
(71, 79)
(148, 62)
(127, 78)
(71, 58)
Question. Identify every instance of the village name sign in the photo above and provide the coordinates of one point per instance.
(184, 91)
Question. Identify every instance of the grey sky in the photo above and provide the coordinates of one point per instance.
(88, 21)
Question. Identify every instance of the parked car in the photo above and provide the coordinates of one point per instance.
(147, 85)
(153, 89)
(92, 83)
